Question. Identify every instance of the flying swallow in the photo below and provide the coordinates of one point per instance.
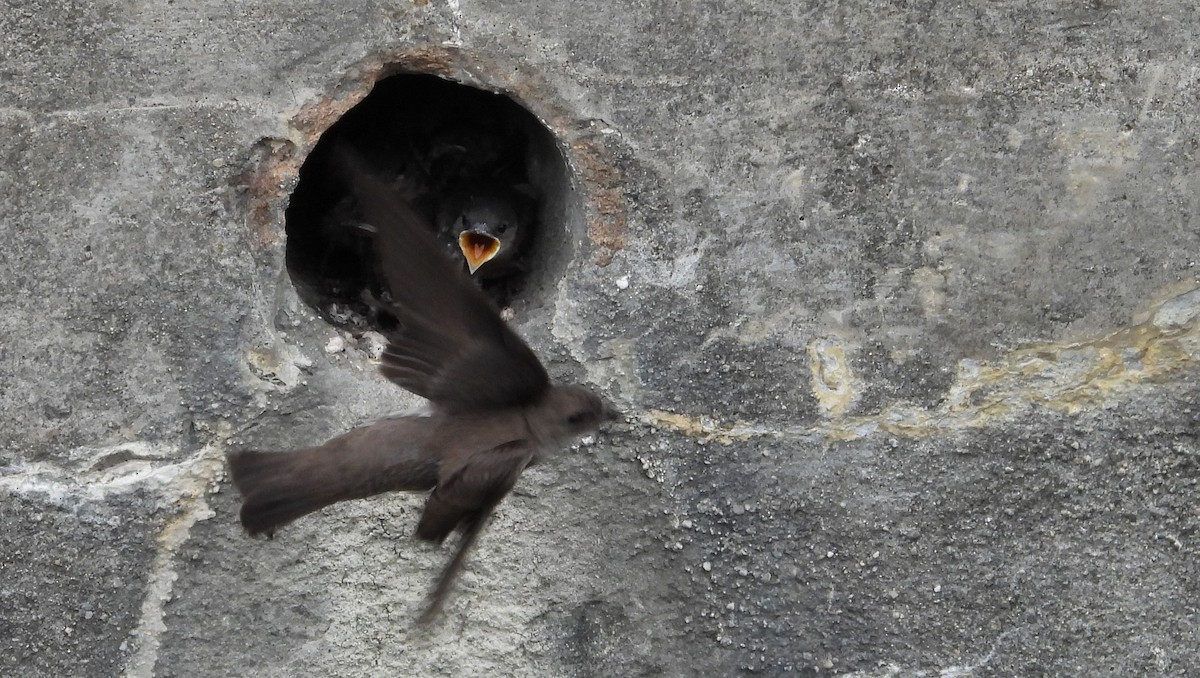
(494, 409)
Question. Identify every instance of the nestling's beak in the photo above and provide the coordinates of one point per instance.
(478, 248)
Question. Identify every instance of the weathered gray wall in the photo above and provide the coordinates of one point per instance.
(909, 343)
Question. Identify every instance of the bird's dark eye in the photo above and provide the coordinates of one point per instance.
(502, 228)
(577, 418)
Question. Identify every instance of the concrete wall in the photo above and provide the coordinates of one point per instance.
(900, 298)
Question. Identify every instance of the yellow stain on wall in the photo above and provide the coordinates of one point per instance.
(1067, 377)
(832, 382)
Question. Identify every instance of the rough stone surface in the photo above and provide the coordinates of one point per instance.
(899, 298)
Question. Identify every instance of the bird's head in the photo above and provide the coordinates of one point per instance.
(569, 411)
(488, 230)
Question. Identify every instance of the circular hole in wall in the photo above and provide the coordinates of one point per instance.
(483, 172)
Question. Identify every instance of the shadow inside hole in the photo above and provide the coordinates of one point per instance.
(454, 151)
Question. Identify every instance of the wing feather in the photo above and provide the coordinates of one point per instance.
(473, 489)
(450, 346)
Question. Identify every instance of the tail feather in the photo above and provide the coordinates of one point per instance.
(277, 488)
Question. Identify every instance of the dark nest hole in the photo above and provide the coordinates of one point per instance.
(446, 143)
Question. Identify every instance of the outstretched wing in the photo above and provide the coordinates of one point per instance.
(465, 500)
(451, 345)
(437, 597)
(471, 487)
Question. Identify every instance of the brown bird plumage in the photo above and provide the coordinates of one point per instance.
(494, 408)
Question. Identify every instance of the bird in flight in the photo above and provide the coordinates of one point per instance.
(494, 409)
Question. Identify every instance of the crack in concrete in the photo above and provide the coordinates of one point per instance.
(192, 484)
(150, 107)
(890, 670)
(1068, 377)
(103, 471)
(185, 484)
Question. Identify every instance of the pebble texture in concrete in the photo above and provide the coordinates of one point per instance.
(901, 301)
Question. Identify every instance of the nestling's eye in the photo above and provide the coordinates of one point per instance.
(502, 228)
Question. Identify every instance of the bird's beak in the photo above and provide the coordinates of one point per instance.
(478, 248)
